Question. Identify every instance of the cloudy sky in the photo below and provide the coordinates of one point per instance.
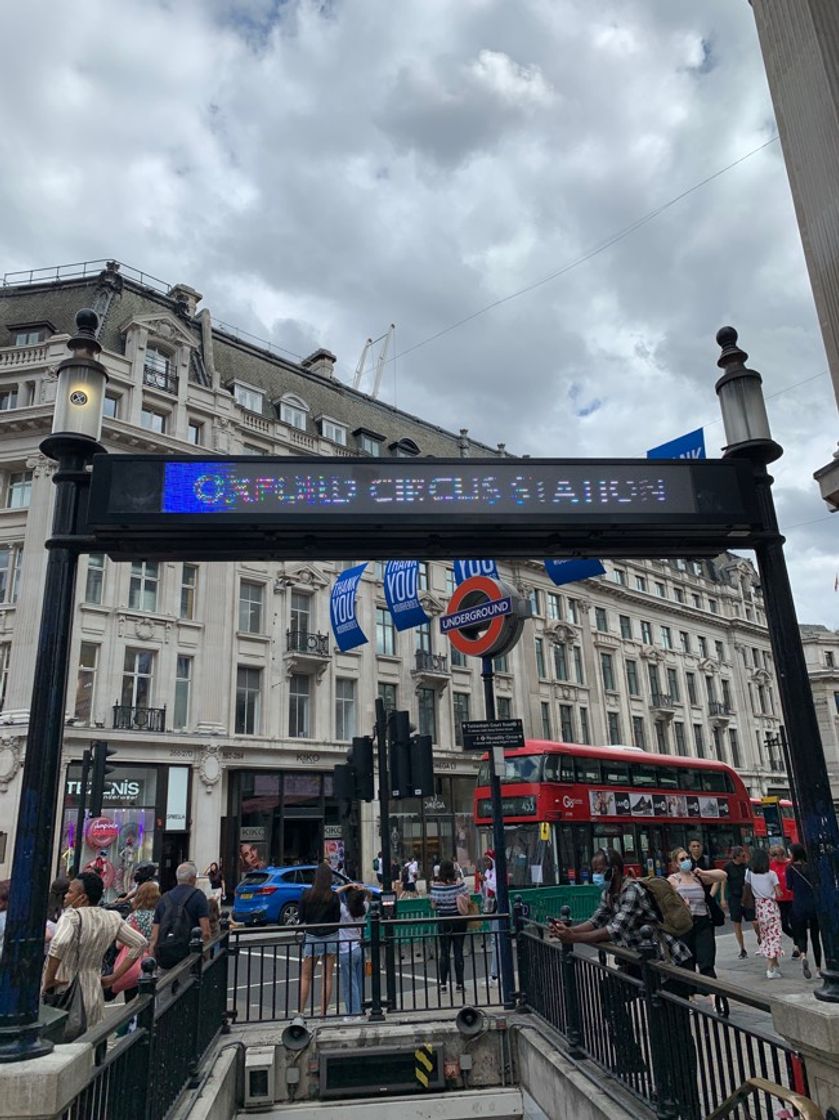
(474, 171)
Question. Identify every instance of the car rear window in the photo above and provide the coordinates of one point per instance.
(254, 878)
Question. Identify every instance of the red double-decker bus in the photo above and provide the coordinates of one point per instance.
(562, 801)
(775, 821)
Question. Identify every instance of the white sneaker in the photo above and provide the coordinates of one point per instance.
(773, 974)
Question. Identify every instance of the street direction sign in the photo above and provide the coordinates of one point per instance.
(484, 734)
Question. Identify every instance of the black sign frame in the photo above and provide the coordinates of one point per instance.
(714, 508)
(484, 734)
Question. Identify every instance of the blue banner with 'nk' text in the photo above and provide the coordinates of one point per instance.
(402, 594)
(348, 634)
(689, 446)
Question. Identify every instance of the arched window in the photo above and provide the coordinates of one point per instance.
(404, 449)
(294, 411)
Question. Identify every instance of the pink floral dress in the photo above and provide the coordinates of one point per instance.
(767, 912)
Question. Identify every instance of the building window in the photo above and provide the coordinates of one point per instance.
(585, 736)
(110, 406)
(20, 490)
(385, 633)
(250, 607)
(301, 613)
(539, 646)
(632, 678)
(554, 607)
(189, 585)
(85, 682)
(607, 666)
(387, 695)
(579, 675)
(726, 694)
(696, 600)
(153, 421)
(504, 707)
(646, 633)
(717, 734)
(620, 576)
(713, 606)
(248, 700)
(367, 445)
(545, 710)
(294, 412)
(460, 700)
(561, 662)
(30, 336)
(640, 583)
(660, 590)
(639, 734)
(761, 696)
(829, 660)
(734, 744)
(11, 569)
(691, 683)
(299, 689)
(458, 659)
(684, 641)
(673, 685)
(535, 601)
(679, 594)
(626, 626)
(333, 431)
(422, 638)
(194, 432)
(500, 664)
(710, 690)
(5, 651)
(661, 736)
(137, 678)
(183, 679)
(344, 708)
(566, 723)
(405, 449)
(8, 398)
(143, 585)
(247, 397)
(427, 709)
(600, 620)
(95, 578)
(699, 739)
(703, 647)
(666, 637)
(252, 449)
(719, 650)
(574, 612)
(613, 722)
(679, 735)
(450, 583)
(422, 576)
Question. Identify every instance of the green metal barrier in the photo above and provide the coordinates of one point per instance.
(546, 902)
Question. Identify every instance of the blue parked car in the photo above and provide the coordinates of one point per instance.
(271, 895)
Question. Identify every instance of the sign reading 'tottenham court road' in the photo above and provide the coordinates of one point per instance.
(337, 508)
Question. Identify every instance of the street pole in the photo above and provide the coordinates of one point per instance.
(81, 386)
(80, 814)
(748, 436)
(502, 893)
(384, 839)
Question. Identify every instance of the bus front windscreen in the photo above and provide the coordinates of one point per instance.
(523, 768)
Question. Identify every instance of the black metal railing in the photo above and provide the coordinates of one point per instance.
(663, 700)
(404, 965)
(427, 662)
(146, 1054)
(301, 641)
(128, 718)
(637, 1020)
(715, 708)
(160, 379)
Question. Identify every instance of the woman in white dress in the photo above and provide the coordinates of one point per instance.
(83, 934)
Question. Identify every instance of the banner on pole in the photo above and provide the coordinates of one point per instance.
(689, 446)
(402, 594)
(348, 634)
(465, 569)
(569, 571)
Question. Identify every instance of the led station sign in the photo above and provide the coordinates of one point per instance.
(328, 507)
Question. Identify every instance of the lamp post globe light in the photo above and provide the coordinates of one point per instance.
(748, 436)
(77, 423)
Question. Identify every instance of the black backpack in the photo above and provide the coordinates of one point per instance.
(175, 932)
(406, 876)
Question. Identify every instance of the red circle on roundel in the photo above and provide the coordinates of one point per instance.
(488, 587)
(101, 832)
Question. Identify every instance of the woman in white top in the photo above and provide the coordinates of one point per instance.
(692, 883)
(767, 890)
(354, 906)
(83, 934)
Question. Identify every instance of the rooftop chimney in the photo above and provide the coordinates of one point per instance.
(188, 297)
(322, 362)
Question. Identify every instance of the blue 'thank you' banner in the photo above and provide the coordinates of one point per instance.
(401, 593)
(690, 446)
(348, 633)
(569, 571)
(465, 569)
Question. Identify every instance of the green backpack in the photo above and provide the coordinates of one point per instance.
(673, 913)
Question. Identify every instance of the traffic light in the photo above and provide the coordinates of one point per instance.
(422, 766)
(344, 782)
(360, 758)
(101, 753)
(399, 742)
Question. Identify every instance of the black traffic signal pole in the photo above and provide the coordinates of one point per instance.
(384, 840)
(80, 815)
(502, 894)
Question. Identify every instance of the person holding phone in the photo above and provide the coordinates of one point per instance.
(694, 885)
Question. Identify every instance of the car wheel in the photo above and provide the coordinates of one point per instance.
(289, 914)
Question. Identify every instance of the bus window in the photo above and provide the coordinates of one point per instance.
(667, 777)
(608, 836)
(690, 779)
(588, 770)
(645, 776)
(720, 841)
(716, 781)
(530, 861)
(630, 851)
(615, 773)
(567, 772)
(524, 768)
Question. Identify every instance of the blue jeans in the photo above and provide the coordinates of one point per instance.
(350, 970)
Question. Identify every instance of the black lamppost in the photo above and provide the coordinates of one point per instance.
(748, 436)
(76, 428)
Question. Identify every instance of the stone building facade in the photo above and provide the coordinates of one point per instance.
(219, 685)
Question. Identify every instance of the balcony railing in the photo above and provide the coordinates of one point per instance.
(160, 379)
(437, 663)
(301, 641)
(715, 708)
(127, 718)
(664, 701)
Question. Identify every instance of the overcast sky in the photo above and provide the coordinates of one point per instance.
(320, 170)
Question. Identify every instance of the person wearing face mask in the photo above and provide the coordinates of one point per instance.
(694, 885)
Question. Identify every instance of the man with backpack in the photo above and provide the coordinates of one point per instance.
(179, 911)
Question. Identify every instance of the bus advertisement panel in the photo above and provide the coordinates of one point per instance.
(562, 801)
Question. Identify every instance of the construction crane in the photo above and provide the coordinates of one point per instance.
(360, 369)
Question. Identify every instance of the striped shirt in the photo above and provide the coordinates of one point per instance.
(444, 897)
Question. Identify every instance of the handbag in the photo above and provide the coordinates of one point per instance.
(130, 978)
(71, 999)
(715, 911)
(463, 903)
(748, 897)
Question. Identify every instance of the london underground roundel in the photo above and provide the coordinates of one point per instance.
(485, 617)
